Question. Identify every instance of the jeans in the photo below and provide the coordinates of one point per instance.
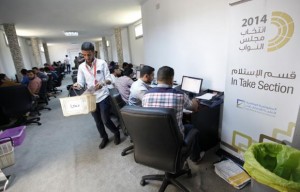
(102, 117)
(189, 130)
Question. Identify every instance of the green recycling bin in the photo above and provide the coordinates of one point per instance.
(274, 165)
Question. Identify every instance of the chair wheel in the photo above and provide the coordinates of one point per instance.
(143, 182)
(39, 124)
(123, 153)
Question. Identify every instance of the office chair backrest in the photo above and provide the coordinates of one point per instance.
(15, 100)
(156, 136)
(59, 80)
(43, 92)
(118, 103)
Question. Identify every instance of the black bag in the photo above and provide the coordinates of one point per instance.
(75, 92)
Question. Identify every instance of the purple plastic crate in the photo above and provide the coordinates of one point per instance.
(17, 134)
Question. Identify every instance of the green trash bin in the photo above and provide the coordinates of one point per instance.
(274, 165)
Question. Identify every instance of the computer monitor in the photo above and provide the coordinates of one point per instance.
(191, 84)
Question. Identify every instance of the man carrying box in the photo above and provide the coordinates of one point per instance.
(95, 75)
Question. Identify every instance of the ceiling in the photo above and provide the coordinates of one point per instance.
(48, 19)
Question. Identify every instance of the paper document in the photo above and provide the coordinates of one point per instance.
(187, 111)
(206, 96)
(232, 173)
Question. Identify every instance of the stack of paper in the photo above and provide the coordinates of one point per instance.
(206, 96)
(232, 173)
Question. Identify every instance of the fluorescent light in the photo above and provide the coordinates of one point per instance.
(71, 33)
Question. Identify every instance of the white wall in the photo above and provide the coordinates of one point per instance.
(136, 46)
(27, 53)
(190, 36)
(113, 55)
(6, 62)
(125, 45)
(57, 52)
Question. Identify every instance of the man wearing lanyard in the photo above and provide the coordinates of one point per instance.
(95, 74)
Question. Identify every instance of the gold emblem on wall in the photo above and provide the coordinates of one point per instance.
(285, 26)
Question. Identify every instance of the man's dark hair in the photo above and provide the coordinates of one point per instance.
(127, 72)
(112, 68)
(23, 71)
(34, 68)
(146, 70)
(165, 74)
(30, 71)
(125, 65)
(87, 46)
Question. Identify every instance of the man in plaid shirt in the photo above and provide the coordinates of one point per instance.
(164, 96)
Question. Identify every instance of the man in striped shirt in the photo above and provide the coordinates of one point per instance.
(164, 96)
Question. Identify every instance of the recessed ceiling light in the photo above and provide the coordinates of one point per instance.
(71, 33)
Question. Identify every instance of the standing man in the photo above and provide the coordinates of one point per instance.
(67, 63)
(95, 74)
(76, 62)
(165, 96)
(141, 86)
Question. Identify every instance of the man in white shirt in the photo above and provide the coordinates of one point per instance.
(141, 86)
(115, 72)
(67, 63)
(95, 74)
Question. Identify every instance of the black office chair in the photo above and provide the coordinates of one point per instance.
(15, 102)
(158, 143)
(117, 104)
(43, 96)
(57, 83)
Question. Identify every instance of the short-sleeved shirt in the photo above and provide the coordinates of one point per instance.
(90, 76)
(35, 85)
(164, 96)
(137, 92)
(123, 84)
(113, 81)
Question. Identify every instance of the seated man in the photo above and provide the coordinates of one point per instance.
(40, 74)
(141, 86)
(35, 83)
(124, 83)
(51, 73)
(115, 73)
(164, 96)
(25, 79)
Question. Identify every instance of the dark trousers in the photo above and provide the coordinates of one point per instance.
(192, 135)
(102, 117)
(68, 68)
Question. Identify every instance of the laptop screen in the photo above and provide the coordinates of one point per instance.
(191, 84)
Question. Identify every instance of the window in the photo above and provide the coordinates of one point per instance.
(138, 29)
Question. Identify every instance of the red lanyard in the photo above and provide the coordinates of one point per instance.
(95, 70)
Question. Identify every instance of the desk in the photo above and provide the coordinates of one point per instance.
(206, 120)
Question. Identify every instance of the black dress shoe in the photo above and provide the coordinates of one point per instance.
(117, 139)
(103, 143)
